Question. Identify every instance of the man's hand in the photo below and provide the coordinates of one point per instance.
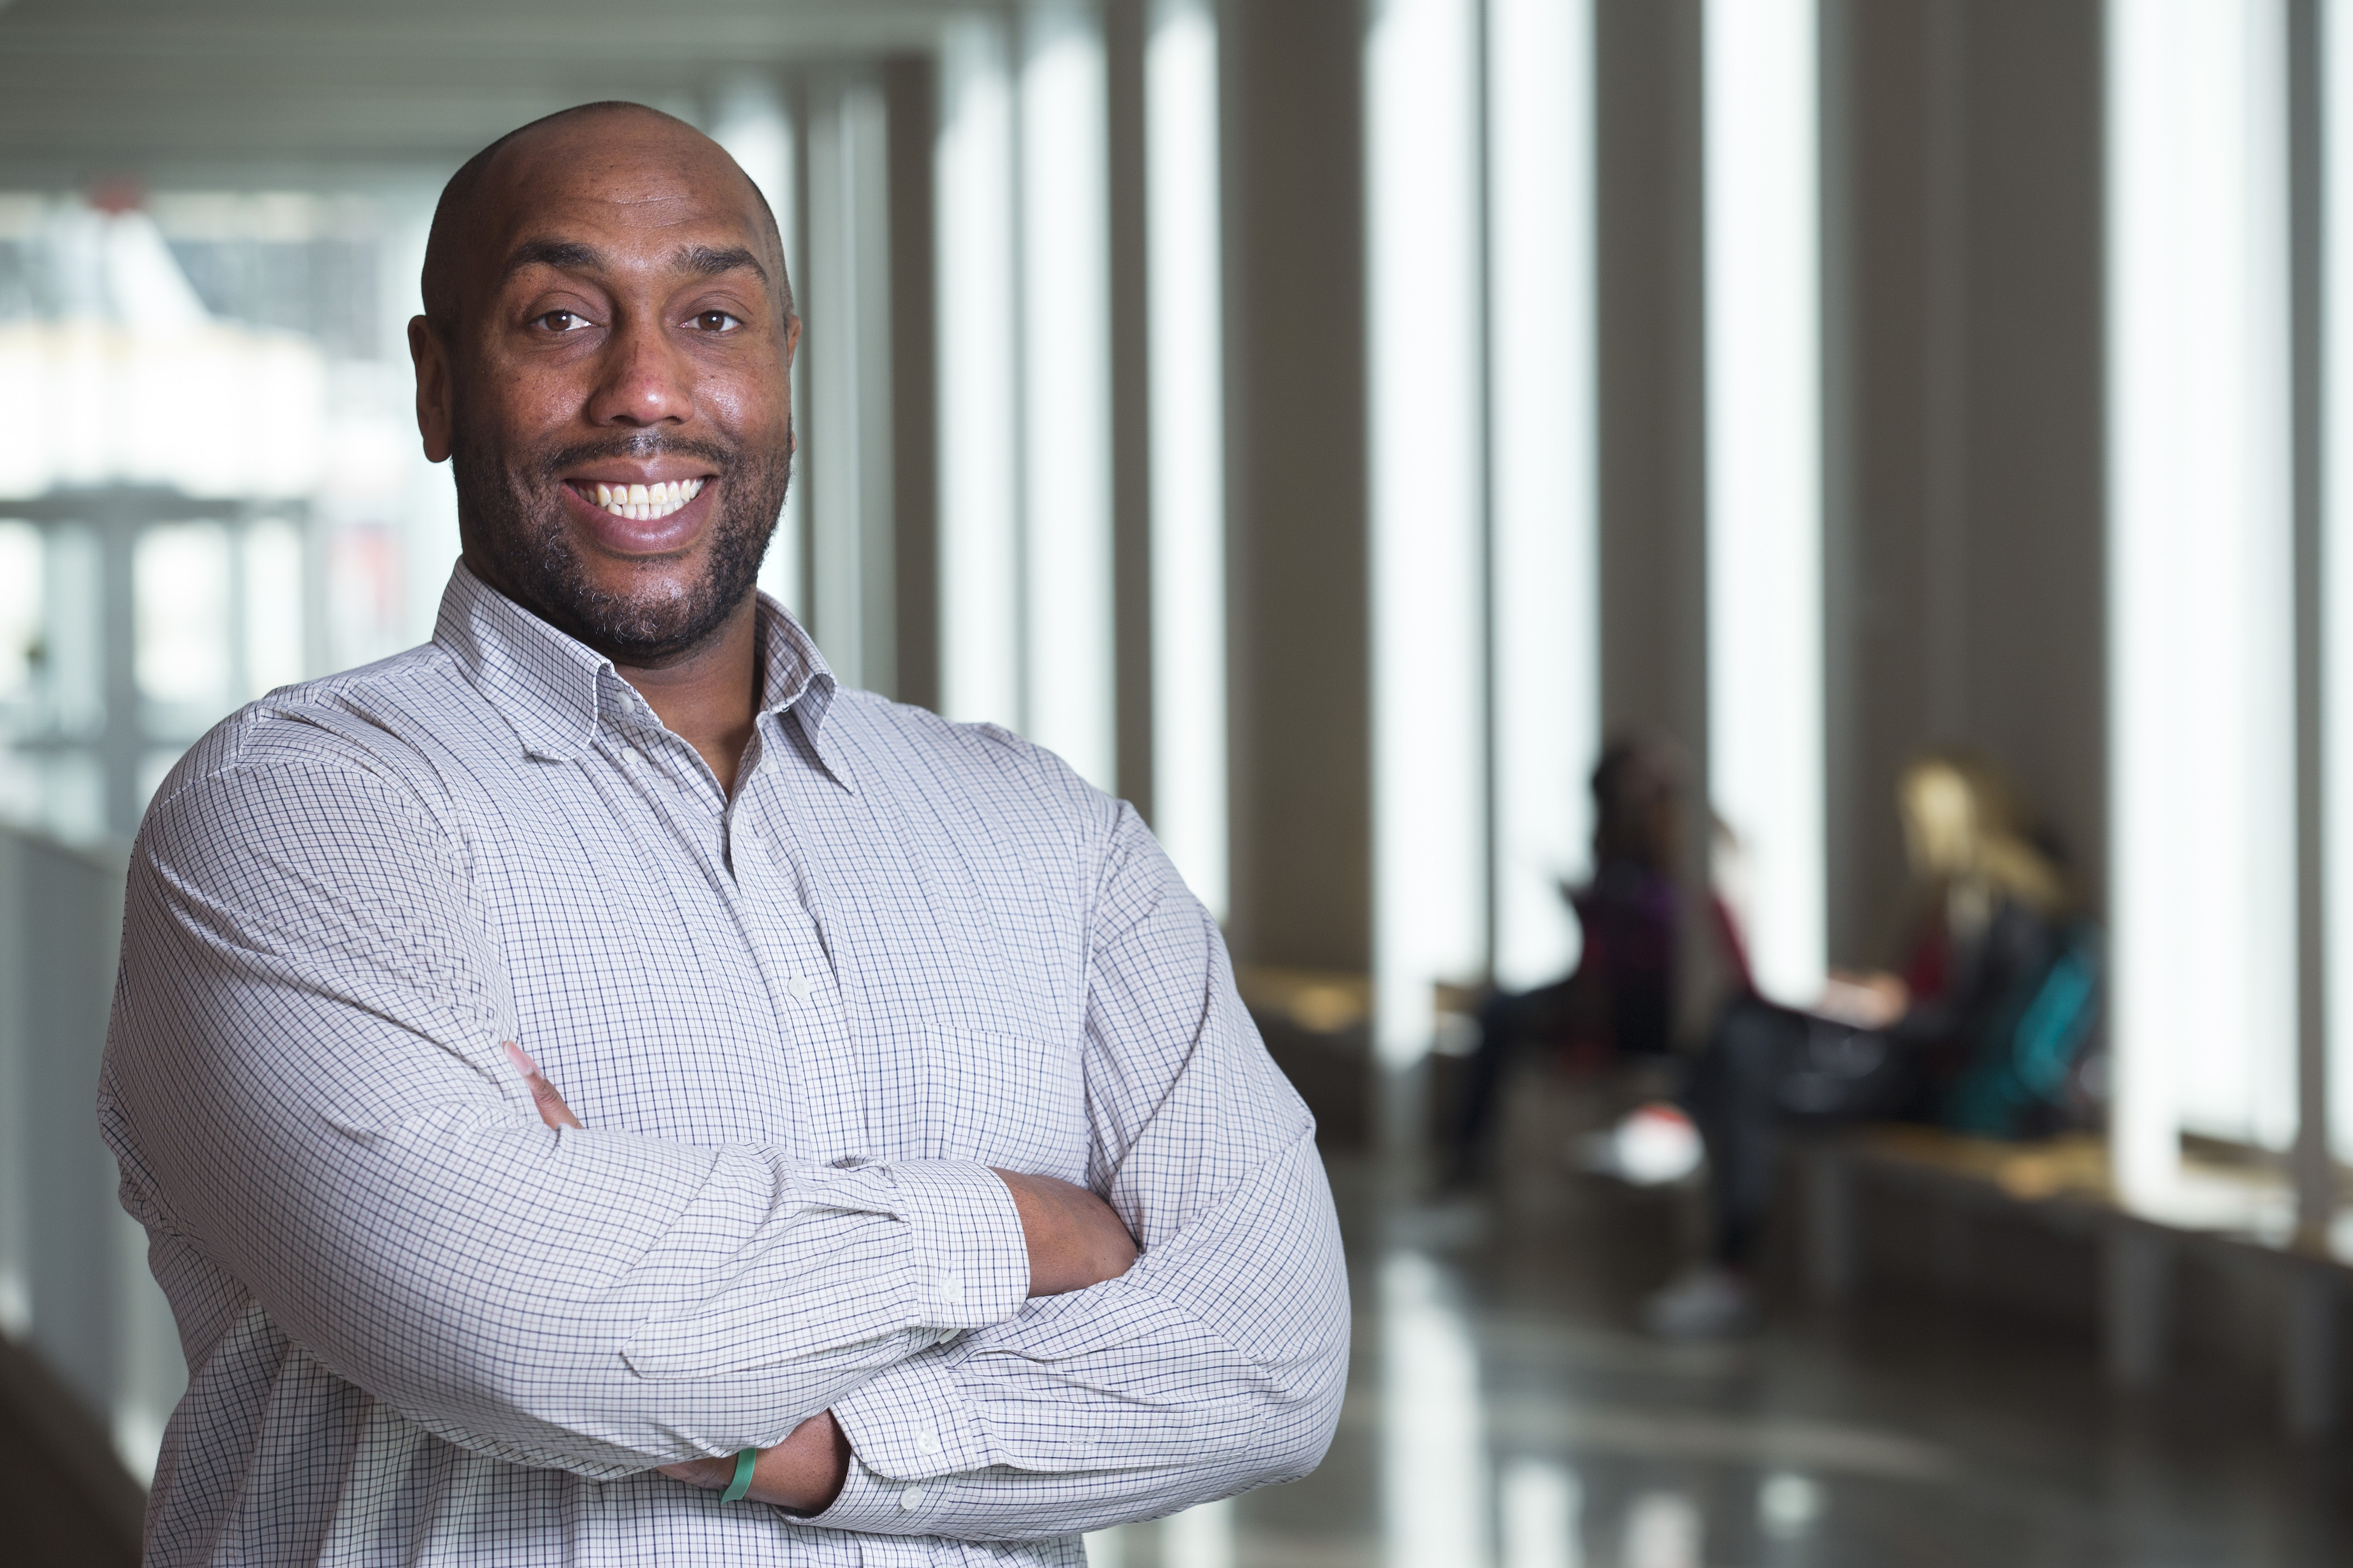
(1873, 1001)
(1075, 1240)
(803, 1473)
(552, 1109)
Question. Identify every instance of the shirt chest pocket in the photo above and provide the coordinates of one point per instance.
(1002, 1099)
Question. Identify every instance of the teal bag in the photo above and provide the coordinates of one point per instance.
(2017, 1082)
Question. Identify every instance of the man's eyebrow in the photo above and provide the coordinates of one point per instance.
(564, 255)
(571, 255)
(713, 260)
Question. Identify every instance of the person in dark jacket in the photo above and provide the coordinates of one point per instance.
(1620, 1001)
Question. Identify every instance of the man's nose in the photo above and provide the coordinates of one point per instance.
(645, 379)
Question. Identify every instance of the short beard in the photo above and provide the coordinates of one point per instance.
(518, 530)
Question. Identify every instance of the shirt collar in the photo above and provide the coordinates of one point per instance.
(794, 680)
(552, 687)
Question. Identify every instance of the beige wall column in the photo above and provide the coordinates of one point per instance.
(1653, 505)
(1966, 578)
(910, 99)
(1295, 464)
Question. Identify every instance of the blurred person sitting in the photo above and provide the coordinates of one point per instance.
(1620, 1005)
(1981, 1030)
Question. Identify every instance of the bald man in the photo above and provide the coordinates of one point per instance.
(600, 1091)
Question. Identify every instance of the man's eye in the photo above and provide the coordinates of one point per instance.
(716, 321)
(562, 320)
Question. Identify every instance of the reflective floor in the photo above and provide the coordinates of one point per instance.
(1502, 1414)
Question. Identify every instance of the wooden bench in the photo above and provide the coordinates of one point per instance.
(2238, 1216)
(1317, 1025)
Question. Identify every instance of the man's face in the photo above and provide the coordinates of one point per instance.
(615, 391)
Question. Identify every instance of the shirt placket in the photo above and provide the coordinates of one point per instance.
(803, 983)
(713, 824)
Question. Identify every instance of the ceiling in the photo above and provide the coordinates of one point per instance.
(244, 93)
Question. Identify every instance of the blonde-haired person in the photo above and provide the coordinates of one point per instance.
(1981, 1024)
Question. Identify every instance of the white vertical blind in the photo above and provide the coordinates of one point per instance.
(1546, 606)
(1066, 390)
(980, 548)
(850, 505)
(1762, 146)
(1423, 260)
(2202, 656)
(1538, 1502)
(2337, 554)
(752, 122)
(1184, 266)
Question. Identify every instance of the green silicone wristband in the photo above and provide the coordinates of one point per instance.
(742, 1481)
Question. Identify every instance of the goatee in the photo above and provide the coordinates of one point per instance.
(519, 530)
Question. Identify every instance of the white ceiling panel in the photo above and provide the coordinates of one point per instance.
(241, 91)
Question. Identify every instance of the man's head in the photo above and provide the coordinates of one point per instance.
(606, 308)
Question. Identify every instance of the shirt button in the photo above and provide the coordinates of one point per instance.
(801, 986)
(949, 1288)
(927, 1441)
(910, 1500)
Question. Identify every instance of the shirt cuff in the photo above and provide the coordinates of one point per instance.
(875, 1505)
(972, 1259)
(910, 1434)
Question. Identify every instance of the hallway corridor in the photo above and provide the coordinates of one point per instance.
(1502, 1414)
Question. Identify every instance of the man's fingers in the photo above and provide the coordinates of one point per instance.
(711, 1474)
(552, 1109)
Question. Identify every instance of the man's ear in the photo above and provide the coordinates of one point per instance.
(433, 415)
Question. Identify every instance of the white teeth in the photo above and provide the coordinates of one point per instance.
(643, 503)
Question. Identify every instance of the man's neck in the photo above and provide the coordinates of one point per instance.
(710, 696)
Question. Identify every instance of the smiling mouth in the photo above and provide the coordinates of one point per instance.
(642, 503)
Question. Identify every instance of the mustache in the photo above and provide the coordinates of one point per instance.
(636, 444)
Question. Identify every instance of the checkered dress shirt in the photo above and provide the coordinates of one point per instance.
(800, 1023)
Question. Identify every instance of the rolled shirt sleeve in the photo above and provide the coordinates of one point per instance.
(1217, 1362)
(307, 1041)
